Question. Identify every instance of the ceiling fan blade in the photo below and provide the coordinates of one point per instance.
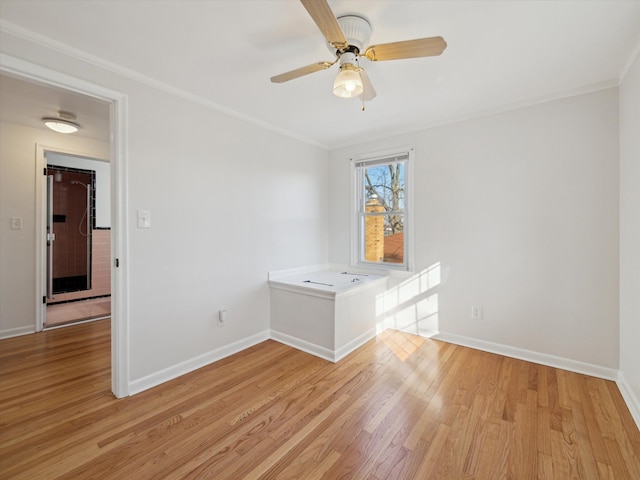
(368, 92)
(421, 47)
(299, 72)
(326, 21)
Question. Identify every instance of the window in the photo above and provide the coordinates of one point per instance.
(382, 200)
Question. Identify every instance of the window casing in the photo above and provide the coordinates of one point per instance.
(381, 220)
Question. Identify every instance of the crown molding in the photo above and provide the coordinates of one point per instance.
(77, 54)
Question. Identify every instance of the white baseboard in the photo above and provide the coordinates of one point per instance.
(200, 361)
(632, 401)
(308, 347)
(16, 332)
(323, 352)
(354, 344)
(136, 386)
(530, 356)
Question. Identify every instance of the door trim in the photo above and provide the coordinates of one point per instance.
(41, 222)
(119, 202)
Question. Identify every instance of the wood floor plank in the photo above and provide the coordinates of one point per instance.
(400, 407)
(270, 461)
(585, 449)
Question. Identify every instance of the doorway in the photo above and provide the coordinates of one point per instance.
(78, 240)
(66, 87)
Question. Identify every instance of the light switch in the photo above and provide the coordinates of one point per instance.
(144, 219)
(16, 223)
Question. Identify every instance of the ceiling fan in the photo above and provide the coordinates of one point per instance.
(347, 35)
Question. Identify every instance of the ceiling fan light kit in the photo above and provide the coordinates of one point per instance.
(348, 82)
(346, 36)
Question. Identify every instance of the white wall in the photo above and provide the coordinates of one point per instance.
(17, 199)
(521, 211)
(229, 202)
(630, 237)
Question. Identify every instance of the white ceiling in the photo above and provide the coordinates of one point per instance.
(26, 103)
(500, 54)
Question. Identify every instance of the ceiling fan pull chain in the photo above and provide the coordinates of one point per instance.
(363, 85)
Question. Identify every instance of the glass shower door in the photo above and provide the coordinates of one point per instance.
(77, 251)
(69, 230)
(51, 237)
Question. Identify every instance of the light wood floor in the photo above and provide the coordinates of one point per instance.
(401, 407)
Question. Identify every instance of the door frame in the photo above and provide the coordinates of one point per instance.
(119, 207)
(42, 166)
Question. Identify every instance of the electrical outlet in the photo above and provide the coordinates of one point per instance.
(476, 312)
(16, 223)
(222, 317)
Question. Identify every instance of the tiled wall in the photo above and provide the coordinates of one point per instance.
(100, 269)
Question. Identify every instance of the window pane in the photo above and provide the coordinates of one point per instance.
(381, 242)
(394, 242)
(384, 185)
(383, 197)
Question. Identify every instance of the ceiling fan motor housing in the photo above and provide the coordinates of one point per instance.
(357, 29)
(348, 58)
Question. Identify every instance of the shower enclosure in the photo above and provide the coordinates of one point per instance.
(70, 223)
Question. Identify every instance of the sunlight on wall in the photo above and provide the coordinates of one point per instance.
(411, 306)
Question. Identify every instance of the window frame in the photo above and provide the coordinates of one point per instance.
(384, 157)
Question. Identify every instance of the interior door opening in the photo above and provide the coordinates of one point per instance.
(107, 110)
(78, 240)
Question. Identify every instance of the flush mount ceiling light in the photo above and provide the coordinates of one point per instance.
(63, 123)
